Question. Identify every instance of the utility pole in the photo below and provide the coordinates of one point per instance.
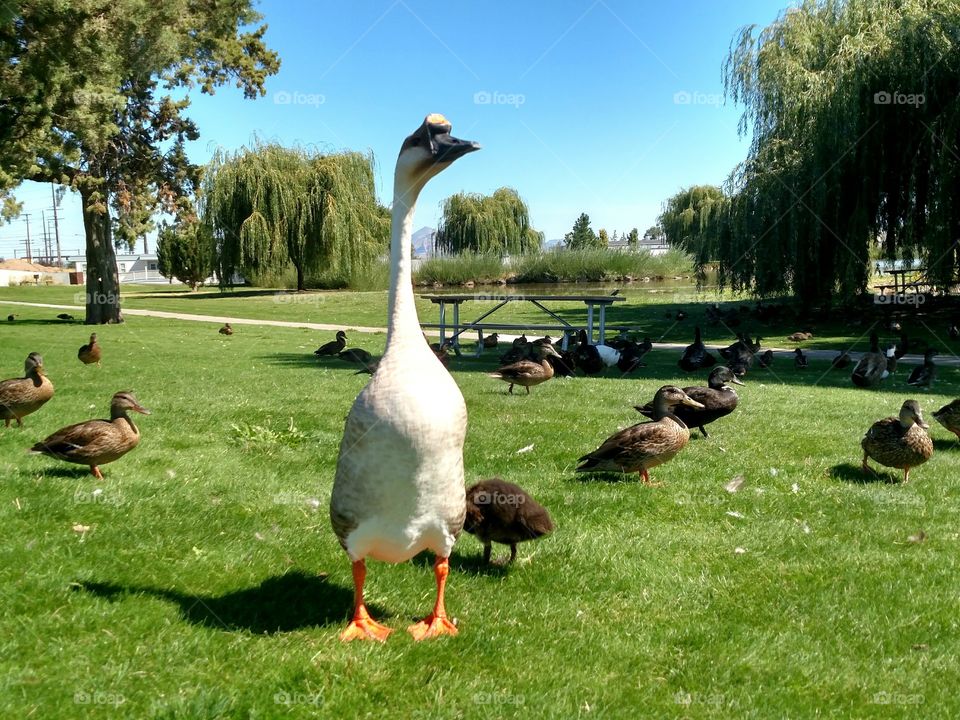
(46, 235)
(26, 216)
(56, 226)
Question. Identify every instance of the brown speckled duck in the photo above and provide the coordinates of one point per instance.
(97, 442)
(226, 329)
(501, 512)
(90, 353)
(949, 417)
(899, 442)
(21, 396)
(645, 445)
(527, 372)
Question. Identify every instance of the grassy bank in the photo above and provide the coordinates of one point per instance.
(208, 584)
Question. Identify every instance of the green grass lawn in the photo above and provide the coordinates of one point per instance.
(210, 585)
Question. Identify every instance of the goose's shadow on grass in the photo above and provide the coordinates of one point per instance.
(309, 360)
(76, 472)
(281, 603)
(945, 445)
(611, 478)
(854, 474)
(471, 564)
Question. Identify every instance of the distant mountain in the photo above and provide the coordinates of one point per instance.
(423, 241)
(550, 244)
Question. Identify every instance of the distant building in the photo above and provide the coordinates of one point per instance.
(141, 268)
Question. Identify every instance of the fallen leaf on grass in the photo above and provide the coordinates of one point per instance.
(735, 484)
(78, 528)
(739, 551)
(526, 449)
(918, 538)
(735, 514)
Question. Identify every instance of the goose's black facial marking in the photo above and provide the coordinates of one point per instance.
(435, 143)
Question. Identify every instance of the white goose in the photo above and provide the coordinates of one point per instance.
(399, 485)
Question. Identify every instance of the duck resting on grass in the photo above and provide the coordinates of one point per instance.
(718, 400)
(333, 347)
(645, 445)
(528, 373)
(21, 396)
(226, 329)
(399, 488)
(97, 442)
(924, 375)
(501, 512)
(898, 442)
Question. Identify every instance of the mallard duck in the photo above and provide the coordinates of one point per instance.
(631, 355)
(527, 372)
(949, 417)
(799, 359)
(492, 340)
(399, 485)
(899, 442)
(11, 318)
(717, 400)
(64, 316)
(355, 355)
(902, 346)
(681, 316)
(924, 375)
(872, 366)
(587, 356)
(90, 353)
(97, 442)
(841, 361)
(333, 347)
(501, 512)
(21, 396)
(799, 336)
(891, 354)
(954, 332)
(226, 329)
(442, 352)
(563, 366)
(695, 355)
(766, 359)
(645, 445)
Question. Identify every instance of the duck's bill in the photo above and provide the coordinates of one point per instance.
(141, 409)
(924, 425)
(737, 381)
(689, 401)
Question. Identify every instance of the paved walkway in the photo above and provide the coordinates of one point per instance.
(787, 353)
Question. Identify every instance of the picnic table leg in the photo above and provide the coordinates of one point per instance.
(456, 329)
(603, 325)
(443, 321)
(590, 323)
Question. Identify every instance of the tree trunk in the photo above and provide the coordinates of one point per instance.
(103, 281)
(300, 287)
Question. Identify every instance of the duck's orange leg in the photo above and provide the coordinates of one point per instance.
(362, 627)
(96, 472)
(645, 478)
(436, 623)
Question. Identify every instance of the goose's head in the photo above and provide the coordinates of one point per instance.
(910, 414)
(429, 150)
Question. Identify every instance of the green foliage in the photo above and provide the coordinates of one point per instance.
(485, 224)
(854, 110)
(185, 252)
(85, 104)
(582, 235)
(694, 220)
(11, 209)
(598, 265)
(461, 268)
(271, 205)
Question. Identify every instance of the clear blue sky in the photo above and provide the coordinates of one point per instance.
(579, 104)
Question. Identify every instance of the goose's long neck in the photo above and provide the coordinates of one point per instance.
(403, 323)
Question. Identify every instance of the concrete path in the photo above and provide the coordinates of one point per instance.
(783, 353)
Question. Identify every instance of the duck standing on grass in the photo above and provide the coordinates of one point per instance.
(97, 442)
(501, 512)
(399, 486)
(799, 359)
(899, 442)
(527, 372)
(645, 445)
(872, 366)
(718, 400)
(21, 396)
(90, 353)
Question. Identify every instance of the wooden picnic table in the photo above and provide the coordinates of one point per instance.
(596, 307)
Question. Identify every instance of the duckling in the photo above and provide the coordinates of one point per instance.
(841, 361)
(799, 359)
(97, 442)
(949, 417)
(226, 329)
(491, 341)
(718, 400)
(527, 372)
(899, 442)
(21, 396)
(501, 512)
(766, 359)
(645, 445)
(333, 347)
(695, 355)
(355, 355)
(872, 366)
(924, 375)
(90, 353)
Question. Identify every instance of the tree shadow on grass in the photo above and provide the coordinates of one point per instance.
(281, 603)
(44, 322)
(854, 474)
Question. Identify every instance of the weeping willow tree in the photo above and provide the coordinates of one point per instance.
(270, 206)
(491, 224)
(854, 109)
(695, 220)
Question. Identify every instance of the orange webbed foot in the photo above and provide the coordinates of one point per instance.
(432, 626)
(364, 627)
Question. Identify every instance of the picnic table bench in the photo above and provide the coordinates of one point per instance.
(596, 310)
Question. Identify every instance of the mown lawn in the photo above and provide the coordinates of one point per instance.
(209, 584)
